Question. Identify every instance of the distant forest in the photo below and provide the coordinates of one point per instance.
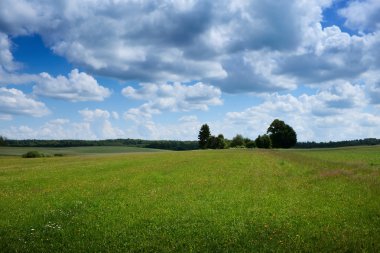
(169, 145)
(161, 144)
(337, 144)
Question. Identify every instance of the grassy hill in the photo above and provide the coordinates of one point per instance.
(204, 201)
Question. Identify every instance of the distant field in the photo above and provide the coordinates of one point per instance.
(75, 150)
(203, 201)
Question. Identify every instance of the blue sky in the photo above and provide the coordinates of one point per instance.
(160, 69)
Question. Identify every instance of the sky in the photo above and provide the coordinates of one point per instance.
(91, 69)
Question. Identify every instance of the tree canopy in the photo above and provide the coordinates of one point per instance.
(281, 134)
(263, 141)
(204, 136)
(237, 141)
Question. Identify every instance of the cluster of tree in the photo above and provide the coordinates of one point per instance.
(160, 144)
(241, 142)
(338, 144)
(263, 141)
(279, 135)
(206, 140)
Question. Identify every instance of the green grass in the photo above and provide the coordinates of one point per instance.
(202, 201)
(17, 151)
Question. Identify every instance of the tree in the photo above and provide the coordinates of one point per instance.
(237, 141)
(263, 141)
(3, 141)
(204, 136)
(281, 134)
(250, 144)
(216, 142)
(220, 142)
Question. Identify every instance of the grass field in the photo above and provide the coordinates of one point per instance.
(200, 201)
(91, 150)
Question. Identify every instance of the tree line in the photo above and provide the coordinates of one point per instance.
(338, 144)
(158, 144)
(278, 135)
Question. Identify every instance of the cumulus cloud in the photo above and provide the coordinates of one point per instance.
(15, 102)
(325, 58)
(98, 126)
(171, 97)
(78, 86)
(176, 97)
(372, 81)
(6, 58)
(100, 123)
(91, 115)
(362, 15)
(186, 128)
(235, 45)
(59, 129)
(254, 72)
(330, 114)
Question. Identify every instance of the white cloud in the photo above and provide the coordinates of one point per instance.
(186, 128)
(79, 86)
(141, 114)
(240, 46)
(65, 129)
(362, 15)
(337, 113)
(177, 41)
(100, 123)
(254, 72)
(15, 102)
(19, 132)
(91, 115)
(177, 96)
(189, 118)
(170, 97)
(324, 57)
(6, 58)
(8, 66)
(60, 129)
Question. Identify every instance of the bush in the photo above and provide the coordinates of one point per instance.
(32, 154)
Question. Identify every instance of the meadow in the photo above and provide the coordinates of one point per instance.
(235, 200)
(90, 150)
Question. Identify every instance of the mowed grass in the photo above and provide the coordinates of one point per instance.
(200, 201)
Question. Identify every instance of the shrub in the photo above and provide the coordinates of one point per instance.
(32, 154)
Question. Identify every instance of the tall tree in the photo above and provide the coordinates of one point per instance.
(281, 134)
(204, 136)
